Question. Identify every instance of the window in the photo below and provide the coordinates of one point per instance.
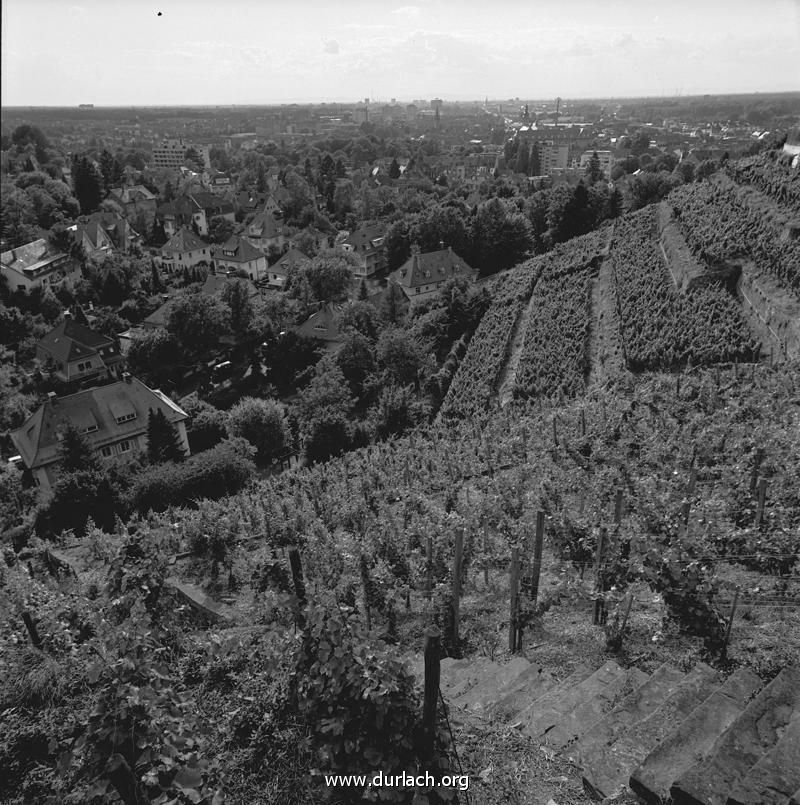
(126, 418)
(90, 428)
(84, 366)
(125, 446)
(106, 451)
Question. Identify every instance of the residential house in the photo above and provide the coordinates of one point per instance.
(92, 238)
(278, 272)
(112, 418)
(238, 256)
(136, 202)
(323, 326)
(183, 250)
(195, 210)
(252, 202)
(266, 231)
(158, 319)
(422, 275)
(78, 353)
(367, 244)
(123, 236)
(37, 265)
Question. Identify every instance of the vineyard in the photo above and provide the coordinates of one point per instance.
(721, 227)
(555, 351)
(475, 381)
(660, 328)
(663, 470)
(771, 175)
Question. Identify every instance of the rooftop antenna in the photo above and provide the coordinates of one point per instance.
(558, 103)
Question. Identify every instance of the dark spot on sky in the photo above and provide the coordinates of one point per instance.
(159, 13)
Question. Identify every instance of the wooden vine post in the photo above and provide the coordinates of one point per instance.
(431, 694)
(583, 422)
(30, 625)
(485, 553)
(429, 568)
(762, 496)
(458, 557)
(599, 603)
(730, 624)
(759, 457)
(555, 431)
(536, 571)
(514, 612)
(299, 586)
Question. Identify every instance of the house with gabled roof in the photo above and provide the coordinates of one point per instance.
(78, 354)
(238, 256)
(112, 418)
(37, 265)
(92, 238)
(195, 210)
(324, 326)
(422, 275)
(265, 230)
(183, 250)
(278, 273)
(119, 230)
(135, 201)
(367, 243)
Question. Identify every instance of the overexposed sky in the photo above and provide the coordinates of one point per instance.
(120, 52)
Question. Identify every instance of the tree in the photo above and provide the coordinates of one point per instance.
(394, 304)
(363, 293)
(155, 357)
(111, 169)
(362, 317)
(236, 295)
(501, 235)
(396, 411)
(156, 285)
(263, 424)
(593, 171)
(394, 169)
(88, 185)
(163, 441)
(401, 355)
(198, 321)
(220, 229)
(523, 159)
(330, 275)
(356, 359)
(322, 412)
(78, 496)
(648, 188)
(75, 451)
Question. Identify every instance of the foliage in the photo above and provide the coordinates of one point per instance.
(163, 440)
(263, 424)
(197, 321)
(75, 452)
(219, 471)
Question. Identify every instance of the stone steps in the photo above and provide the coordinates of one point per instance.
(742, 745)
(582, 718)
(687, 739)
(609, 766)
(592, 747)
(694, 738)
(772, 779)
(543, 716)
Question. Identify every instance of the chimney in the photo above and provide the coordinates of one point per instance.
(52, 397)
(67, 314)
(441, 245)
(126, 376)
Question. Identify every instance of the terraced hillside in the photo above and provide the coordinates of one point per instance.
(707, 277)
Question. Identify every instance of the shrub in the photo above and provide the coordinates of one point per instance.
(218, 472)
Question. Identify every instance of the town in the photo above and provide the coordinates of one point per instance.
(288, 392)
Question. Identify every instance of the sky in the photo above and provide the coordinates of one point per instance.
(122, 53)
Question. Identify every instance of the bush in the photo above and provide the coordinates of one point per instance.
(263, 424)
(220, 471)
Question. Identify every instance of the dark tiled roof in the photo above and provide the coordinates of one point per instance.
(37, 440)
(238, 250)
(215, 283)
(70, 340)
(35, 254)
(426, 269)
(294, 257)
(365, 237)
(184, 240)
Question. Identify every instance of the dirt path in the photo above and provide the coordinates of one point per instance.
(606, 357)
(508, 376)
